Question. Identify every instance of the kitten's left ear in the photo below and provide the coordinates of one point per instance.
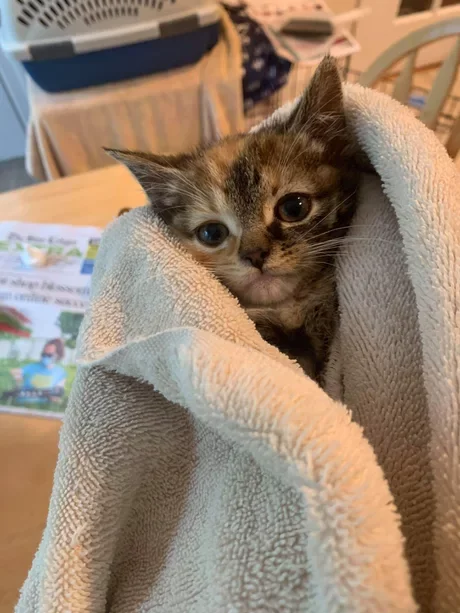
(320, 110)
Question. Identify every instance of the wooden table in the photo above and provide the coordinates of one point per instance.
(90, 199)
(28, 445)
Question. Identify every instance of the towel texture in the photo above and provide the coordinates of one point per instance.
(200, 471)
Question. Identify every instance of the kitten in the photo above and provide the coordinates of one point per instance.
(266, 212)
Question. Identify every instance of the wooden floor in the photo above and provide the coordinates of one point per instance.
(13, 175)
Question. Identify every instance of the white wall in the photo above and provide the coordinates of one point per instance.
(13, 109)
(12, 142)
(340, 6)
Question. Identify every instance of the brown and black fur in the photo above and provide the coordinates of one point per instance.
(238, 182)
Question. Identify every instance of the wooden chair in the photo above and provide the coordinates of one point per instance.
(406, 49)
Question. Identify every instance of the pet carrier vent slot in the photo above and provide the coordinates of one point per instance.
(63, 13)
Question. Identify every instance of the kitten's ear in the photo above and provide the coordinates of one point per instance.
(160, 176)
(320, 109)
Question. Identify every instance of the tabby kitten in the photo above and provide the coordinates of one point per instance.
(266, 212)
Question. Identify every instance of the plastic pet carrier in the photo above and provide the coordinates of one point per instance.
(69, 44)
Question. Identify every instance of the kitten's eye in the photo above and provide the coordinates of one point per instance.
(293, 207)
(212, 234)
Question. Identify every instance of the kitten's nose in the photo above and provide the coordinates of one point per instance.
(256, 257)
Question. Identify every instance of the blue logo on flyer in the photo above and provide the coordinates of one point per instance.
(90, 256)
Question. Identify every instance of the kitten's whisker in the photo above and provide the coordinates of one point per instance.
(294, 142)
(309, 231)
(210, 270)
(341, 228)
(328, 129)
(344, 237)
(282, 157)
(330, 247)
(324, 234)
(314, 117)
(300, 134)
(334, 210)
(182, 177)
(350, 239)
(308, 267)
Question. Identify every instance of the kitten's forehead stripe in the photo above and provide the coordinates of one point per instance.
(243, 185)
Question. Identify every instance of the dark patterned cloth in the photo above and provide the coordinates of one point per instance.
(264, 72)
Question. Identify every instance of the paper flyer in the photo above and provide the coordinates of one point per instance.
(45, 276)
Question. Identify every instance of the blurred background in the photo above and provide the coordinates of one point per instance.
(167, 75)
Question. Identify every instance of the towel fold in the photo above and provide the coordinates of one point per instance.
(201, 471)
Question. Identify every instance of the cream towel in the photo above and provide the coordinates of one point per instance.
(68, 130)
(201, 472)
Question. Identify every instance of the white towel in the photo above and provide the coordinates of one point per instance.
(201, 472)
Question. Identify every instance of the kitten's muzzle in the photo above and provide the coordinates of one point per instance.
(255, 257)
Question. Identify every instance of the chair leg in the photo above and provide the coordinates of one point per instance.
(453, 142)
